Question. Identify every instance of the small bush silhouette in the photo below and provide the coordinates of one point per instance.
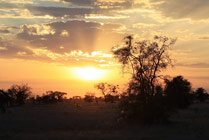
(201, 94)
(18, 94)
(89, 97)
(178, 92)
(3, 100)
(51, 97)
(109, 91)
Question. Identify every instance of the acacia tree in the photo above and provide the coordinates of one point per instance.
(178, 93)
(201, 94)
(19, 93)
(108, 91)
(146, 59)
(3, 100)
(89, 97)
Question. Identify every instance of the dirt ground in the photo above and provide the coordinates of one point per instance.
(88, 121)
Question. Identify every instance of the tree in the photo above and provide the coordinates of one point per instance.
(19, 93)
(89, 97)
(178, 92)
(146, 59)
(201, 94)
(3, 100)
(108, 91)
(51, 97)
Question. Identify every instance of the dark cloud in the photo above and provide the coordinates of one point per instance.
(194, 65)
(204, 38)
(82, 2)
(103, 4)
(77, 8)
(194, 9)
(4, 5)
(4, 31)
(59, 11)
(73, 35)
(14, 49)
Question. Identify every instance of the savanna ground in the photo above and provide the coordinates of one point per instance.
(91, 121)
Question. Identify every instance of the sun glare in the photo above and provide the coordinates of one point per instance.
(89, 73)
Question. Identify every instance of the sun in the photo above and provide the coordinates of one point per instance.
(89, 73)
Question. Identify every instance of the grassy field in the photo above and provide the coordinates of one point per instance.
(85, 121)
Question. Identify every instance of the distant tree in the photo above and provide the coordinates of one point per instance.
(3, 100)
(145, 59)
(201, 94)
(89, 97)
(51, 97)
(178, 92)
(108, 91)
(76, 98)
(19, 93)
(57, 95)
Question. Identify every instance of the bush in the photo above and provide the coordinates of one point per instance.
(178, 93)
(51, 97)
(19, 93)
(201, 94)
(89, 97)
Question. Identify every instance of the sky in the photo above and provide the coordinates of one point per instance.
(50, 44)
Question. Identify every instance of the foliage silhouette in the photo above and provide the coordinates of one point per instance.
(109, 91)
(18, 94)
(89, 97)
(51, 97)
(178, 92)
(146, 59)
(201, 94)
(3, 100)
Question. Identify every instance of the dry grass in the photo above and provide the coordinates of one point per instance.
(90, 121)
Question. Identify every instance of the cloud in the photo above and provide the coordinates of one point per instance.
(194, 65)
(103, 4)
(59, 11)
(4, 31)
(7, 29)
(16, 49)
(81, 2)
(205, 37)
(62, 37)
(76, 8)
(70, 43)
(177, 9)
(13, 49)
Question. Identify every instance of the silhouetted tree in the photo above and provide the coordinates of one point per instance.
(146, 59)
(51, 97)
(201, 94)
(108, 91)
(3, 100)
(19, 93)
(89, 97)
(178, 92)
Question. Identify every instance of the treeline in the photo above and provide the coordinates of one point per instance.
(17, 95)
(49, 97)
(176, 94)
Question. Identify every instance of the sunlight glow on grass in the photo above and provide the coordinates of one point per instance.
(89, 73)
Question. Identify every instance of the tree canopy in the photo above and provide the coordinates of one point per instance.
(146, 59)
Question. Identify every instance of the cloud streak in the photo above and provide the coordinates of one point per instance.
(178, 9)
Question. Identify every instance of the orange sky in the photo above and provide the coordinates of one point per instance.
(44, 42)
